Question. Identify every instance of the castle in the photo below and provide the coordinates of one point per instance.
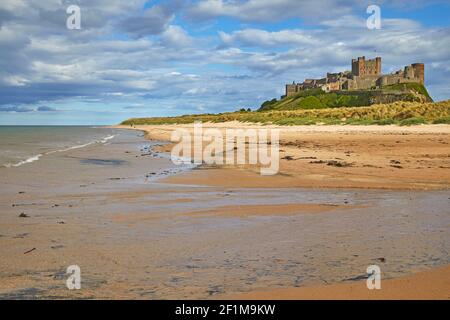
(365, 75)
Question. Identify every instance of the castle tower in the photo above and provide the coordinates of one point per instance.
(408, 72)
(359, 66)
(291, 89)
(362, 67)
(419, 71)
(378, 65)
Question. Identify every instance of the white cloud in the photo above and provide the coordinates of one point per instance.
(153, 21)
(262, 38)
(269, 10)
(279, 10)
(175, 36)
(400, 42)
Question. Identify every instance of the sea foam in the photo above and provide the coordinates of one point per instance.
(38, 156)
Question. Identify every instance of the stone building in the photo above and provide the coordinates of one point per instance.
(365, 75)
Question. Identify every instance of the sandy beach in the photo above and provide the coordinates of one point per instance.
(428, 285)
(381, 157)
(141, 228)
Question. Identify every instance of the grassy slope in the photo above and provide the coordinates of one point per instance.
(404, 113)
(417, 87)
(318, 99)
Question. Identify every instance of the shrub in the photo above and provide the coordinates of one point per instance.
(267, 104)
(412, 121)
(385, 122)
(445, 120)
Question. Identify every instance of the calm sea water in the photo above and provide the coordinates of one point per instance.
(24, 144)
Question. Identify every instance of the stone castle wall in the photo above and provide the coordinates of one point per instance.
(365, 75)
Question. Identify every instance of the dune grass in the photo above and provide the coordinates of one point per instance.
(402, 113)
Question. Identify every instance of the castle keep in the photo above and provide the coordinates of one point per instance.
(365, 75)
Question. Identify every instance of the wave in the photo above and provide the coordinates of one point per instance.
(38, 156)
(104, 140)
(29, 160)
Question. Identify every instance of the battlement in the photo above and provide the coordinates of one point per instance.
(364, 75)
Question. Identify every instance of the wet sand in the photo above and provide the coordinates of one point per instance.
(268, 210)
(138, 235)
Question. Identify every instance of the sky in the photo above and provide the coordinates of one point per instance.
(138, 58)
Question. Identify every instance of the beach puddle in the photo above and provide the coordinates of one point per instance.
(103, 162)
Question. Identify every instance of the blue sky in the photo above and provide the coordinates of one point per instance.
(140, 58)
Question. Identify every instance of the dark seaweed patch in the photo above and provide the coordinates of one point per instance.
(103, 162)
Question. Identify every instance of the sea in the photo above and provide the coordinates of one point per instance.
(20, 145)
